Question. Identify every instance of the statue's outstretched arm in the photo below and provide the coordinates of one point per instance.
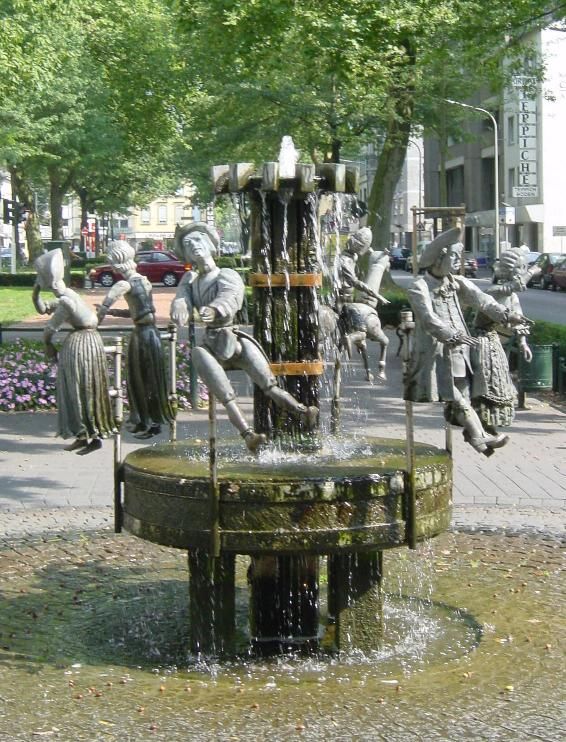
(181, 306)
(117, 291)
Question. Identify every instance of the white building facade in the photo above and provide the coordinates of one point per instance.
(531, 167)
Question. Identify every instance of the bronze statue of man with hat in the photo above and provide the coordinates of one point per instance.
(217, 294)
(440, 367)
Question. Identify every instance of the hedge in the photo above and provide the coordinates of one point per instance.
(28, 279)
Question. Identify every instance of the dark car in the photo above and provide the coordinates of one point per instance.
(470, 267)
(546, 263)
(398, 257)
(558, 276)
(159, 266)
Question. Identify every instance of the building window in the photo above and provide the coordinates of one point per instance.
(511, 180)
(487, 196)
(179, 214)
(145, 216)
(162, 214)
(511, 129)
(455, 185)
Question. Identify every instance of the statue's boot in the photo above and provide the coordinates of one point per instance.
(76, 444)
(287, 402)
(135, 427)
(94, 445)
(475, 434)
(252, 439)
(154, 429)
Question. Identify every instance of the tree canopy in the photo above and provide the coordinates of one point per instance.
(121, 99)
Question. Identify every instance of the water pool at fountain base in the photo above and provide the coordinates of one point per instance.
(94, 647)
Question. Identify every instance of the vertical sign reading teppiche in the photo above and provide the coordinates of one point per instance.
(527, 175)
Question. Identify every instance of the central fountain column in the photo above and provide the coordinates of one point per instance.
(286, 277)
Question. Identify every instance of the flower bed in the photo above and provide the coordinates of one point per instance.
(27, 379)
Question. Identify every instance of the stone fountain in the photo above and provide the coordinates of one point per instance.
(302, 500)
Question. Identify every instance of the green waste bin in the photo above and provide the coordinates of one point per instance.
(538, 374)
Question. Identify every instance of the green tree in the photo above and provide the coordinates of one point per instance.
(333, 74)
(89, 102)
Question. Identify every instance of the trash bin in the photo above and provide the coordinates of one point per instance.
(538, 374)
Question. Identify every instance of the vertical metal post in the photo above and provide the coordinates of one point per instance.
(118, 417)
(406, 325)
(173, 380)
(335, 408)
(414, 242)
(193, 374)
(213, 470)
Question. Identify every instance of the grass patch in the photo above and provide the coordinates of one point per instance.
(15, 304)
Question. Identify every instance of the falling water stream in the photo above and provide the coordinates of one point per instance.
(93, 646)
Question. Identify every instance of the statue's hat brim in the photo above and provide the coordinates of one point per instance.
(433, 250)
(182, 232)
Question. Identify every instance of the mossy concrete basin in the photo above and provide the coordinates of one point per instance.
(346, 497)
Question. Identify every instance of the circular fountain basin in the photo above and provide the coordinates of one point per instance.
(349, 496)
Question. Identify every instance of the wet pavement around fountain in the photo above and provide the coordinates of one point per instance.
(92, 624)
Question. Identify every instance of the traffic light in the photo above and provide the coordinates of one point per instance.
(20, 213)
(14, 212)
(8, 211)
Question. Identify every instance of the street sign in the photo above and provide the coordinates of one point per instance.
(525, 191)
(507, 215)
(559, 231)
(522, 81)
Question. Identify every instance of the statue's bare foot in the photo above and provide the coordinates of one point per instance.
(76, 444)
(369, 377)
(254, 440)
(94, 445)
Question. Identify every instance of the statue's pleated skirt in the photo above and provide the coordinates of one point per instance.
(147, 381)
(83, 400)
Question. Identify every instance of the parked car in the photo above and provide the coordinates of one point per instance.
(159, 266)
(471, 267)
(546, 263)
(558, 276)
(398, 257)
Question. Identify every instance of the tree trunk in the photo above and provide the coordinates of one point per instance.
(83, 200)
(26, 197)
(389, 169)
(392, 157)
(57, 191)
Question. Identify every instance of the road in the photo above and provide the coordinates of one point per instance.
(537, 304)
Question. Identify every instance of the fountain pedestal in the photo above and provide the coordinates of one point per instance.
(286, 514)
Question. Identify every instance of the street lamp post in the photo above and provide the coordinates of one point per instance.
(419, 150)
(496, 169)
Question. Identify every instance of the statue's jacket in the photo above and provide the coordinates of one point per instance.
(222, 289)
(437, 306)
